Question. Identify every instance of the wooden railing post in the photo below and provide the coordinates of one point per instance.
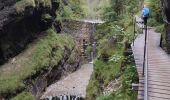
(134, 22)
(145, 64)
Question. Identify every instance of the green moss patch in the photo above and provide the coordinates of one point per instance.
(24, 96)
(20, 6)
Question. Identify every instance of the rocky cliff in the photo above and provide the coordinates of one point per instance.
(22, 21)
(49, 56)
(166, 17)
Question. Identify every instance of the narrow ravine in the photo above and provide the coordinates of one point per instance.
(67, 49)
(74, 85)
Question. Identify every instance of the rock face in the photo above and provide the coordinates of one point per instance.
(166, 16)
(41, 81)
(19, 29)
(83, 32)
(6, 9)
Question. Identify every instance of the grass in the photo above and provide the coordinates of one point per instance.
(115, 66)
(128, 77)
(104, 71)
(40, 60)
(24, 96)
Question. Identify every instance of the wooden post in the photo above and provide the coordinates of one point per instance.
(144, 57)
(134, 31)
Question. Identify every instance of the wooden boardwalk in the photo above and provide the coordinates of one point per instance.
(158, 67)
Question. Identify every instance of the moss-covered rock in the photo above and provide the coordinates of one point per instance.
(52, 56)
(21, 5)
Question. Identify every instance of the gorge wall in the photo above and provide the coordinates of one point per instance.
(22, 22)
(166, 18)
(25, 22)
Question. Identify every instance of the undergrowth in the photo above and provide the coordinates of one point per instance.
(110, 64)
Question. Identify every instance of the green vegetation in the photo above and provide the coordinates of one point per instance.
(73, 9)
(20, 6)
(160, 28)
(24, 96)
(110, 64)
(156, 19)
(40, 59)
(156, 13)
(113, 38)
(125, 92)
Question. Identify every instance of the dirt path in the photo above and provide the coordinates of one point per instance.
(73, 84)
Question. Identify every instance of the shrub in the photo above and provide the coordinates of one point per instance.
(152, 22)
(160, 28)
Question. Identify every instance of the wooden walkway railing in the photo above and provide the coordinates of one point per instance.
(158, 80)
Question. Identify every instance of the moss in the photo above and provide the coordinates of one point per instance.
(72, 9)
(24, 96)
(21, 5)
(46, 17)
(72, 57)
(39, 60)
(45, 3)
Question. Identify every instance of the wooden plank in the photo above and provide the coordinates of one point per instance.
(156, 98)
(158, 68)
(159, 91)
(159, 81)
(159, 87)
(159, 95)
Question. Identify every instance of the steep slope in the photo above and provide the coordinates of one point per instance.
(35, 55)
(45, 61)
(21, 22)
